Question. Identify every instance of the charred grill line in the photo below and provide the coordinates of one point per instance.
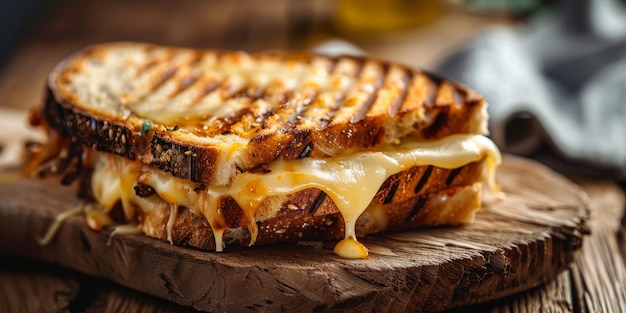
(229, 92)
(416, 209)
(423, 179)
(150, 69)
(453, 174)
(392, 192)
(300, 108)
(284, 100)
(325, 120)
(231, 119)
(316, 204)
(371, 98)
(146, 67)
(330, 114)
(208, 88)
(440, 121)
(245, 119)
(165, 76)
(187, 81)
(256, 93)
(161, 80)
(248, 92)
(183, 84)
(399, 102)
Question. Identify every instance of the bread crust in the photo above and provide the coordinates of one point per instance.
(425, 106)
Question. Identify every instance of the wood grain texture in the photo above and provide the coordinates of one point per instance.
(596, 281)
(515, 244)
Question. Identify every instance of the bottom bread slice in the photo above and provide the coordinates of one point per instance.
(451, 206)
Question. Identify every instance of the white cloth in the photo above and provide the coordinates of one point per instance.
(560, 80)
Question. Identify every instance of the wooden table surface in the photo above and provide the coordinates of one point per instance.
(595, 282)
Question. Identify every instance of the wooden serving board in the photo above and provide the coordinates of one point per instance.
(515, 244)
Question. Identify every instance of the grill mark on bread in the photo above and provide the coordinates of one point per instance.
(422, 182)
(453, 174)
(399, 101)
(392, 191)
(247, 119)
(185, 80)
(438, 124)
(157, 75)
(227, 123)
(300, 108)
(163, 78)
(416, 209)
(317, 202)
(332, 111)
(146, 67)
(183, 84)
(254, 93)
(416, 92)
(228, 91)
(205, 90)
(342, 97)
(372, 96)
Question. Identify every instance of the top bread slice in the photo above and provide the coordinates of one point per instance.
(206, 115)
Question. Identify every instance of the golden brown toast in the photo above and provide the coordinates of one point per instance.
(207, 115)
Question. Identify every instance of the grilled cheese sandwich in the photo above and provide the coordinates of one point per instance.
(253, 143)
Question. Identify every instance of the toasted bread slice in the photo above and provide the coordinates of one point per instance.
(205, 115)
(452, 206)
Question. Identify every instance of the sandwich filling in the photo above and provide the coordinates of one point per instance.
(350, 180)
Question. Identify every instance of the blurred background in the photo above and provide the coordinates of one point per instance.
(551, 70)
(36, 34)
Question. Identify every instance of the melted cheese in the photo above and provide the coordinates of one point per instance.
(58, 220)
(113, 181)
(171, 220)
(351, 181)
(129, 229)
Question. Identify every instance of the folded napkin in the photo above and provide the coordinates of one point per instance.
(559, 81)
